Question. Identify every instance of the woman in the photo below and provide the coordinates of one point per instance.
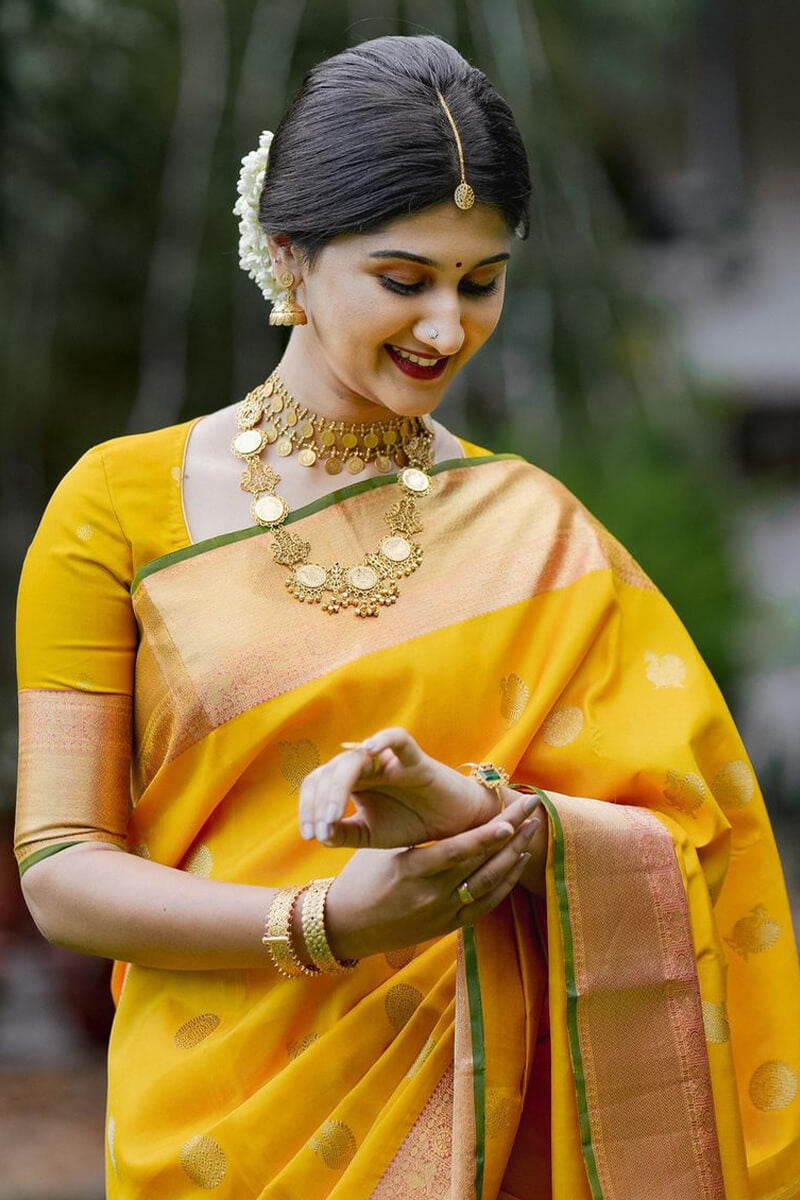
(349, 975)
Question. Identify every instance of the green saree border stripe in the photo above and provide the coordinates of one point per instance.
(478, 1054)
(559, 874)
(353, 489)
(45, 852)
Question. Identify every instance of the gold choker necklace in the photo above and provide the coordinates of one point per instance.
(365, 587)
(289, 427)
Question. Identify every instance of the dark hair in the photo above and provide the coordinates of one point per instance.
(366, 139)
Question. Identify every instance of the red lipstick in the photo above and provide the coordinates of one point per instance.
(414, 369)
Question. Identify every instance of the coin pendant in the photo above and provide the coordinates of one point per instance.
(250, 412)
(277, 404)
(310, 575)
(370, 439)
(362, 578)
(327, 437)
(383, 463)
(249, 441)
(355, 464)
(390, 437)
(269, 387)
(415, 480)
(396, 548)
(269, 509)
(270, 432)
(284, 447)
(349, 440)
(333, 466)
(291, 417)
(307, 457)
(306, 429)
(401, 458)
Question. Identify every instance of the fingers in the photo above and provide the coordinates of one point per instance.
(460, 855)
(470, 913)
(493, 872)
(325, 791)
(400, 741)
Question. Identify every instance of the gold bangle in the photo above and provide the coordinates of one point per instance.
(314, 936)
(278, 935)
(491, 777)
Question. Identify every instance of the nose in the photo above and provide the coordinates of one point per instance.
(441, 329)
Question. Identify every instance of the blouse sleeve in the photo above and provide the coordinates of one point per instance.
(76, 643)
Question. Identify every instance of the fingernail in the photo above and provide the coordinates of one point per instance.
(524, 857)
(502, 832)
(322, 831)
(370, 744)
(330, 812)
(308, 830)
(533, 825)
(528, 805)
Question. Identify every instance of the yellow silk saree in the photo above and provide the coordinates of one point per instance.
(636, 1035)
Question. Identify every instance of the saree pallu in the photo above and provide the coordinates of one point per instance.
(635, 1035)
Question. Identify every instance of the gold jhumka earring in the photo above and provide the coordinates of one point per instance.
(286, 310)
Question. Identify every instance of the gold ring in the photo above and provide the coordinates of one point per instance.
(464, 894)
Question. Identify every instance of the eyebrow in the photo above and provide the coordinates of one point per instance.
(429, 262)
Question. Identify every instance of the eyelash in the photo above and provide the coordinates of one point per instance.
(411, 289)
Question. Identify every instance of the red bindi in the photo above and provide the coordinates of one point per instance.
(458, 264)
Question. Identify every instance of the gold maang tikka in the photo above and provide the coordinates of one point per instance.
(463, 195)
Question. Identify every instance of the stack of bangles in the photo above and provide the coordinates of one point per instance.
(278, 935)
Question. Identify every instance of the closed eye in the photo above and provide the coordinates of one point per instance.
(411, 289)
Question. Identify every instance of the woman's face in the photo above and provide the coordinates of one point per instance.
(371, 295)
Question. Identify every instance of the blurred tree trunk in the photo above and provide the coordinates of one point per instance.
(184, 187)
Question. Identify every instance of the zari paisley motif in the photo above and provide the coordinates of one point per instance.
(199, 861)
(754, 933)
(684, 792)
(195, 1030)
(402, 1001)
(734, 785)
(773, 1086)
(335, 1143)
(298, 759)
(715, 1021)
(514, 695)
(204, 1161)
(562, 726)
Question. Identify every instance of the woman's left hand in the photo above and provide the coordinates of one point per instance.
(403, 797)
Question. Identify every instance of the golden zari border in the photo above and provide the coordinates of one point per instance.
(74, 770)
(648, 1112)
(504, 533)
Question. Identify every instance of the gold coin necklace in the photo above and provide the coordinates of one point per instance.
(365, 587)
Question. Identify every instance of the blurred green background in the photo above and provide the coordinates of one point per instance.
(647, 355)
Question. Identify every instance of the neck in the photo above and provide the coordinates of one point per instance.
(308, 378)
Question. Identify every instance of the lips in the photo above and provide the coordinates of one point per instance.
(416, 370)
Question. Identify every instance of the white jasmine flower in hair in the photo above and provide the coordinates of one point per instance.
(254, 255)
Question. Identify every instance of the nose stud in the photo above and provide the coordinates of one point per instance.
(433, 334)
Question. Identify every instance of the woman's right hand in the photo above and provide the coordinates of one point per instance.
(387, 899)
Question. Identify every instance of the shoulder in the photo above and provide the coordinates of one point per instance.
(547, 496)
(143, 459)
(129, 486)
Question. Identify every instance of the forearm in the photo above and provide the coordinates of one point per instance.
(99, 900)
